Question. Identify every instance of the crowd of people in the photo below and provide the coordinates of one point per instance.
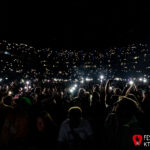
(94, 116)
(17, 60)
(59, 100)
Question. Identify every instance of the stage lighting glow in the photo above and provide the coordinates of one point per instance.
(1, 79)
(140, 79)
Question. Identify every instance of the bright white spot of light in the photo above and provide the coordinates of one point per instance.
(101, 77)
(27, 82)
(6, 53)
(10, 92)
(131, 82)
(75, 85)
(71, 90)
(88, 79)
(144, 80)
(110, 88)
(82, 81)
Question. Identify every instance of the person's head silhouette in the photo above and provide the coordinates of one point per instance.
(75, 114)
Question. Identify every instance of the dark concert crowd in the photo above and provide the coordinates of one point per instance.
(88, 116)
(38, 113)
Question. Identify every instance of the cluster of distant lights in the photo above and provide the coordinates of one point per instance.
(27, 84)
(144, 80)
(82, 80)
(73, 88)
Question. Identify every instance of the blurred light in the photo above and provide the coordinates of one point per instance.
(10, 93)
(75, 85)
(6, 53)
(144, 80)
(27, 82)
(76, 80)
(71, 90)
(22, 80)
(25, 87)
(131, 82)
(110, 88)
(6, 78)
(82, 81)
(117, 79)
(101, 77)
(1, 79)
(88, 79)
(55, 79)
(140, 79)
(29, 87)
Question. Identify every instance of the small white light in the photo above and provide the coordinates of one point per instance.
(117, 79)
(131, 82)
(10, 92)
(101, 77)
(1, 79)
(88, 79)
(144, 80)
(82, 81)
(25, 87)
(140, 79)
(110, 88)
(27, 82)
(22, 80)
(71, 90)
(55, 79)
(75, 85)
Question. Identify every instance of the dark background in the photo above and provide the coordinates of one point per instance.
(76, 23)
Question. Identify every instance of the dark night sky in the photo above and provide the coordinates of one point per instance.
(74, 22)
